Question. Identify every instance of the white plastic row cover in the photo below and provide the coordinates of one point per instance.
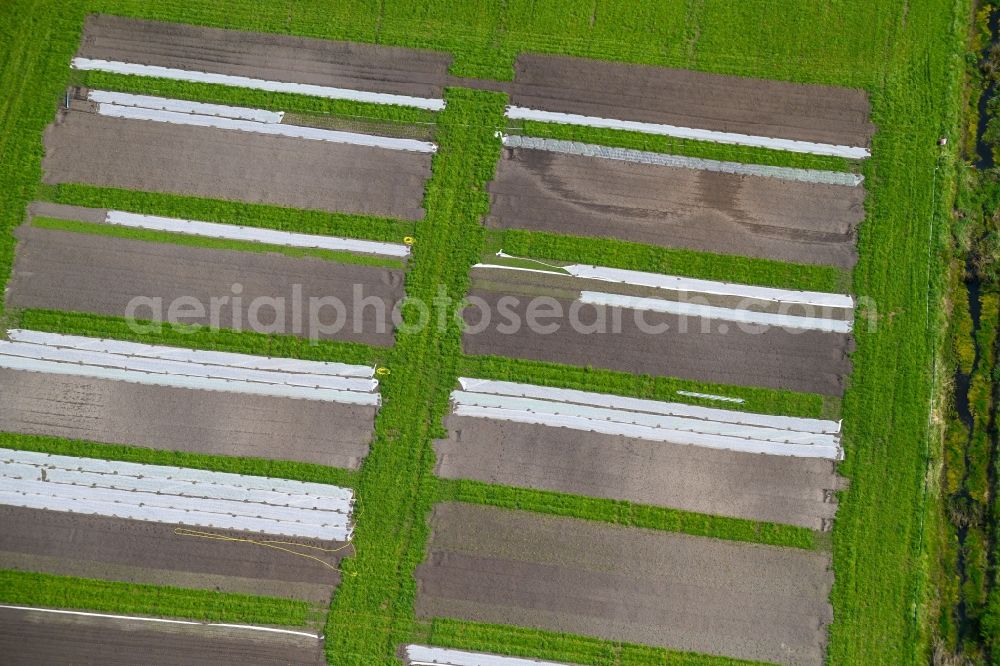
(676, 283)
(419, 655)
(328, 92)
(711, 312)
(183, 106)
(61, 355)
(230, 359)
(253, 234)
(653, 434)
(565, 147)
(206, 480)
(63, 483)
(274, 129)
(560, 395)
(693, 285)
(677, 423)
(790, 145)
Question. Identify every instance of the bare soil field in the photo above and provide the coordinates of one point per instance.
(179, 419)
(148, 552)
(62, 270)
(692, 347)
(779, 489)
(83, 147)
(30, 638)
(677, 207)
(626, 584)
(693, 99)
(368, 67)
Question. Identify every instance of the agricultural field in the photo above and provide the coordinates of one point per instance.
(474, 334)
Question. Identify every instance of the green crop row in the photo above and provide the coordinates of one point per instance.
(247, 97)
(153, 236)
(626, 513)
(759, 400)
(49, 591)
(228, 212)
(280, 469)
(689, 263)
(688, 147)
(446, 632)
(196, 337)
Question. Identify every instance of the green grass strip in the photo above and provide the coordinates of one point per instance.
(45, 590)
(537, 644)
(188, 240)
(196, 337)
(279, 469)
(625, 513)
(262, 216)
(687, 147)
(248, 97)
(598, 380)
(374, 611)
(689, 263)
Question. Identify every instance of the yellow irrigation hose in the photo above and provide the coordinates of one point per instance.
(276, 545)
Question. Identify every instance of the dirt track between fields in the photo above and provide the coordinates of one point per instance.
(148, 552)
(625, 584)
(692, 99)
(809, 361)
(30, 638)
(82, 272)
(676, 207)
(320, 62)
(177, 419)
(82, 147)
(728, 483)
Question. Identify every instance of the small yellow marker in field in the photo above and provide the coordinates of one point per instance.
(409, 240)
(382, 372)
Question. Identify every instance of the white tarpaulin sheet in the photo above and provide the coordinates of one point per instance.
(230, 359)
(419, 655)
(75, 355)
(206, 478)
(649, 406)
(653, 434)
(682, 162)
(291, 131)
(117, 67)
(183, 106)
(677, 283)
(149, 493)
(254, 234)
(790, 145)
(711, 312)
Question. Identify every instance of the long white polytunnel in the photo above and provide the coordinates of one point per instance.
(677, 283)
(161, 620)
(183, 106)
(790, 145)
(679, 423)
(137, 107)
(175, 495)
(185, 368)
(565, 147)
(751, 317)
(253, 234)
(420, 655)
(648, 419)
(818, 299)
(118, 67)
